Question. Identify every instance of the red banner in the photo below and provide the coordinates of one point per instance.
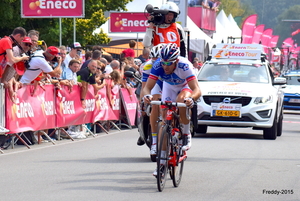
(35, 112)
(52, 8)
(258, 31)
(273, 41)
(248, 29)
(128, 22)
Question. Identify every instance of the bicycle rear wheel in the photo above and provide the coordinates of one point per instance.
(162, 160)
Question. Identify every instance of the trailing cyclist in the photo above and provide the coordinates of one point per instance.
(179, 84)
(156, 93)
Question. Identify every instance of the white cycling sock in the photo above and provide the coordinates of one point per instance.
(186, 128)
(154, 138)
(163, 155)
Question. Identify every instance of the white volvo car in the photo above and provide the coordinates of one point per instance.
(239, 90)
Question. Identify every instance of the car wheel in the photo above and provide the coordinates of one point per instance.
(201, 129)
(271, 133)
(279, 124)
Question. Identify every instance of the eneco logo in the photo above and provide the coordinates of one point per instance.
(50, 4)
(124, 22)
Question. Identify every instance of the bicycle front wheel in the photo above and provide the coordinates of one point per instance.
(176, 173)
(163, 153)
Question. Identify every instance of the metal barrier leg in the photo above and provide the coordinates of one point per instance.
(90, 132)
(102, 127)
(115, 125)
(65, 132)
(47, 136)
(19, 138)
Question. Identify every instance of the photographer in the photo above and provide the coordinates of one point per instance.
(162, 24)
(39, 63)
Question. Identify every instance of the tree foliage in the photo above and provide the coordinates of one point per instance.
(284, 29)
(49, 27)
(270, 13)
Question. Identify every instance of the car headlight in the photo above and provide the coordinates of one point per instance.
(264, 99)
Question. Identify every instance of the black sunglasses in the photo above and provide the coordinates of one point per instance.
(27, 44)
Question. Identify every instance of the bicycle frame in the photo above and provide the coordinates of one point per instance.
(170, 142)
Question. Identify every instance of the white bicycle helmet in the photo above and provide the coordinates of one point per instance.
(137, 62)
(171, 7)
(155, 51)
(170, 52)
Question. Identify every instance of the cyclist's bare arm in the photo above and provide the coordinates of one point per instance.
(148, 87)
(196, 93)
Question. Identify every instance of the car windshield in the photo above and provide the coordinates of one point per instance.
(292, 80)
(233, 73)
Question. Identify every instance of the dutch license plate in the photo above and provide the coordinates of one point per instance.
(227, 113)
(292, 100)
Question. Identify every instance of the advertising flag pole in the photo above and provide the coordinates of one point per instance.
(60, 35)
(74, 30)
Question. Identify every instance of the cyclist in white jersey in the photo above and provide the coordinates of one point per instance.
(155, 92)
(179, 84)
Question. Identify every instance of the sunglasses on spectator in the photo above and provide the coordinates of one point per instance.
(167, 63)
(99, 68)
(61, 53)
(27, 44)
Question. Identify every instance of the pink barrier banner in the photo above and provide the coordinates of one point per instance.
(52, 108)
(105, 108)
(203, 18)
(208, 20)
(35, 112)
(69, 109)
(257, 34)
(52, 8)
(130, 104)
(248, 29)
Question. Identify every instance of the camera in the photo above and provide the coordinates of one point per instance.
(41, 42)
(158, 16)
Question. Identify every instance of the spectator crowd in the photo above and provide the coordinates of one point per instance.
(28, 60)
(25, 59)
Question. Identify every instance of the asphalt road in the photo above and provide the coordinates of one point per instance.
(224, 164)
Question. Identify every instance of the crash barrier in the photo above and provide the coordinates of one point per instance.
(50, 108)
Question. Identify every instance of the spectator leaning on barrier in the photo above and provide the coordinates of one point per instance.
(39, 63)
(69, 76)
(87, 76)
(62, 53)
(156, 34)
(96, 55)
(8, 59)
(36, 43)
(88, 58)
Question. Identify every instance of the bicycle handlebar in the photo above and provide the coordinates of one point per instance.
(166, 103)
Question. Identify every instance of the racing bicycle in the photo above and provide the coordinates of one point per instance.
(171, 141)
